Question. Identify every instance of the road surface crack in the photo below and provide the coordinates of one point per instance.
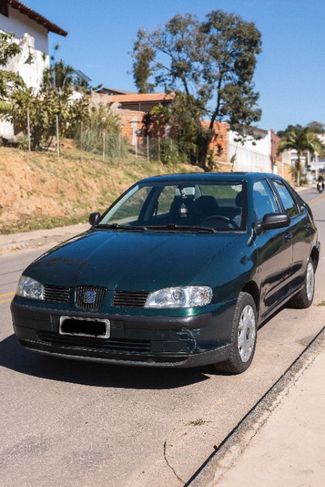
(170, 466)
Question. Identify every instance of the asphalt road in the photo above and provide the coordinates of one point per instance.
(71, 423)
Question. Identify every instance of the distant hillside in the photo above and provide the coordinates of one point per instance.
(38, 190)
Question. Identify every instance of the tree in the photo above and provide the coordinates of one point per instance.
(53, 103)
(43, 107)
(182, 118)
(8, 80)
(316, 127)
(302, 140)
(285, 133)
(210, 62)
(59, 76)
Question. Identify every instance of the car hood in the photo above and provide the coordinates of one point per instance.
(136, 260)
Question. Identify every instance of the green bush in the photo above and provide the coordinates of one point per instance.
(170, 153)
(101, 134)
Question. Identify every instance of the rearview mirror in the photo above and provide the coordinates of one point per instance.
(274, 220)
(94, 218)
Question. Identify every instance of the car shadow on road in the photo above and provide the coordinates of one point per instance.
(14, 357)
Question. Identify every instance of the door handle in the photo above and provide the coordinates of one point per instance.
(288, 236)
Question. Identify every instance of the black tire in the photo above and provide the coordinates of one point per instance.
(235, 363)
(304, 299)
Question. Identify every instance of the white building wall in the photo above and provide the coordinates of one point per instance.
(33, 58)
(33, 40)
(252, 155)
(30, 62)
(18, 24)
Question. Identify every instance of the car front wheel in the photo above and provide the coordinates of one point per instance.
(243, 336)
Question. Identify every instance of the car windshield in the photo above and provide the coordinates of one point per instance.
(199, 206)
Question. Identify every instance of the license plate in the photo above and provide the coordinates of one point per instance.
(84, 327)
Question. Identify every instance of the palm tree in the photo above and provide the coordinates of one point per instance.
(301, 140)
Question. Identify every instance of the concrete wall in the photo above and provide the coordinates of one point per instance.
(253, 155)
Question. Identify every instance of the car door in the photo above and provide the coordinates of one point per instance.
(301, 231)
(273, 250)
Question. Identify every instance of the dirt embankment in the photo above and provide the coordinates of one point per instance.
(38, 190)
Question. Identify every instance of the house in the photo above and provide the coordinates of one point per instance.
(31, 31)
(130, 107)
(113, 91)
(257, 153)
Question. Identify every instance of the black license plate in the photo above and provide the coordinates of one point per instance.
(85, 327)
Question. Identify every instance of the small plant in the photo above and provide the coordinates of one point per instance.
(170, 153)
(197, 422)
(100, 134)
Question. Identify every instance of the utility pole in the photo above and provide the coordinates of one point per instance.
(57, 136)
(103, 145)
(316, 166)
(28, 130)
(148, 148)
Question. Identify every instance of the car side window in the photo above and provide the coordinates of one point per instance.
(263, 200)
(288, 202)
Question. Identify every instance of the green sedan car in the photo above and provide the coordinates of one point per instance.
(180, 271)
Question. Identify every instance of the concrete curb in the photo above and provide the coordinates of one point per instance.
(227, 453)
(39, 238)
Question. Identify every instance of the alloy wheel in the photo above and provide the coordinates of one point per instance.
(246, 333)
(310, 281)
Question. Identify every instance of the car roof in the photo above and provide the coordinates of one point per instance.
(207, 177)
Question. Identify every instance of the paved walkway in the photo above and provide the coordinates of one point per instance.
(289, 449)
(39, 238)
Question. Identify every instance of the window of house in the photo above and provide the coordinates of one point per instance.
(263, 200)
(288, 202)
(4, 8)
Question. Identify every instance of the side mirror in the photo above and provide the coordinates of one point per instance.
(273, 220)
(94, 218)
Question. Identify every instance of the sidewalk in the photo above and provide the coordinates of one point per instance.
(39, 238)
(289, 448)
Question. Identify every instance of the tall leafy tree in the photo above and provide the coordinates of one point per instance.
(59, 76)
(211, 62)
(316, 127)
(301, 140)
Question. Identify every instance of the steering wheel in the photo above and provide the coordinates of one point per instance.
(221, 218)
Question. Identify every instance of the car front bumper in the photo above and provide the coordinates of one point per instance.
(155, 341)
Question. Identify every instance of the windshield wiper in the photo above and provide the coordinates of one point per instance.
(188, 228)
(117, 226)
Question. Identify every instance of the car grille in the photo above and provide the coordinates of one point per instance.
(130, 299)
(89, 297)
(111, 344)
(58, 294)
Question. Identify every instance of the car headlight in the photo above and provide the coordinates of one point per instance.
(179, 297)
(29, 288)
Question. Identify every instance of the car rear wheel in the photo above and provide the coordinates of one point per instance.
(243, 336)
(305, 296)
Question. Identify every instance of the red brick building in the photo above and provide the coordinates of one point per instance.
(132, 108)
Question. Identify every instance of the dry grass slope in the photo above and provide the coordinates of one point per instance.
(38, 190)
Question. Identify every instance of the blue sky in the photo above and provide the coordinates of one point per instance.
(290, 74)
